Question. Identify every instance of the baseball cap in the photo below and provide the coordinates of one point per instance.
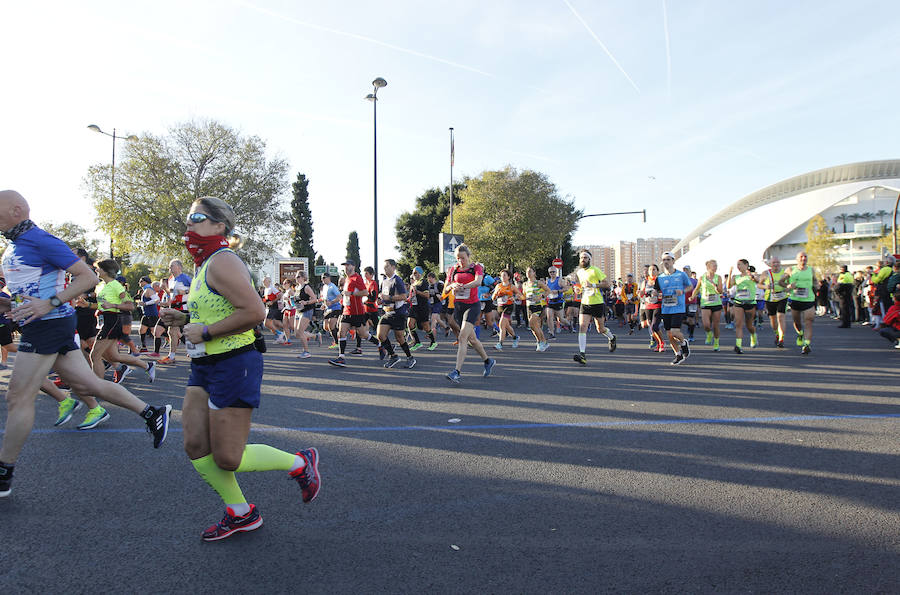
(145, 279)
(348, 261)
(667, 255)
(419, 270)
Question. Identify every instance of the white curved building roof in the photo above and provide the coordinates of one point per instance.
(748, 227)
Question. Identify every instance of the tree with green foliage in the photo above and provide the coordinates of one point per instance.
(514, 218)
(417, 231)
(301, 220)
(160, 176)
(353, 249)
(75, 236)
(821, 246)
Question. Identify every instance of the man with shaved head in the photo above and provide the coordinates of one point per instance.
(35, 266)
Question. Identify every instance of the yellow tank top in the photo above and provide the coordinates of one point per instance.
(205, 306)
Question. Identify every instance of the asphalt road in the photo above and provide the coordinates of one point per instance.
(762, 472)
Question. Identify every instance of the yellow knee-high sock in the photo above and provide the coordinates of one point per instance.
(223, 482)
(262, 457)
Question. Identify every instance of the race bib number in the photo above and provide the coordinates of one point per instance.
(670, 300)
(99, 321)
(742, 294)
(692, 307)
(414, 300)
(462, 293)
(777, 296)
(554, 294)
(589, 291)
(802, 292)
(502, 300)
(195, 350)
(346, 300)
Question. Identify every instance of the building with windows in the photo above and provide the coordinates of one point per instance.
(856, 200)
(604, 257)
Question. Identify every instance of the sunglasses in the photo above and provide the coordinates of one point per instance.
(200, 218)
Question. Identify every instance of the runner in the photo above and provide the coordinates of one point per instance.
(802, 282)
(505, 295)
(112, 299)
(420, 309)
(690, 314)
(330, 298)
(393, 296)
(449, 302)
(435, 289)
(710, 289)
(673, 285)
(744, 284)
(178, 285)
(353, 314)
(776, 299)
(650, 301)
(535, 297)
(34, 266)
(592, 281)
(555, 300)
(631, 299)
(150, 301)
(226, 373)
(272, 298)
(463, 280)
(305, 301)
(288, 309)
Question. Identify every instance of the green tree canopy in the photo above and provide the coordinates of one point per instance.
(353, 249)
(301, 220)
(160, 176)
(821, 247)
(508, 217)
(75, 236)
(417, 231)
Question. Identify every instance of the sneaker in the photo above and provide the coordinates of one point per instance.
(356, 351)
(392, 361)
(67, 407)
(805, 350)
(686, 349)
(382, 352)
(308, 475)
(799, 340)
(154, 354)
(498, 346)
(304, 355)
(338, 361)
(94, 418)
(122, 373)
(157, 419)
(654, 346)
(231, 524)
(897, 346)
(612, 344)
(151, 371)
(333, 346)
(779, 344)
(169, 359)
(488, 366)
(5, 481)
(415, 347)
(60, 384)
(453, 376)
(690, 339)
(515, 343)
(544, 346)
(537, 346)
(738, 349)
(410, 362)
(678, 359)
(143, 350)
(580, 358)
(433, 346)
(661, 348)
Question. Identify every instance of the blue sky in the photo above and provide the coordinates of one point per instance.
(677, 107)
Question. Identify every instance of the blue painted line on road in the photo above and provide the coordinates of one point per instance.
(524, 426)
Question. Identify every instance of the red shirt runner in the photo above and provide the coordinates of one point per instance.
(466, 295)
(372, 302)
(353, 304)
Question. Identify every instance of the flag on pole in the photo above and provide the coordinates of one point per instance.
(451, 150)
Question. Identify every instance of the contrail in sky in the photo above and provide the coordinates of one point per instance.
(290, 19)
(602, 45)
(668, 50)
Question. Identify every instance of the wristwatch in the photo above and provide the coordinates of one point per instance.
(55, 302)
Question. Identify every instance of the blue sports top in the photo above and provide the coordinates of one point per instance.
(35, 264)
(668, 285)
(555, 296)
(333, 293)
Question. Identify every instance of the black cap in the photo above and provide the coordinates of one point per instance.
(348, 261)
(145, 279)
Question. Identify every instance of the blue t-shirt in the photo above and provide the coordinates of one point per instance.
(484, 293)
(667, 286)
(333, 293)
(35, 264)
(395, 286)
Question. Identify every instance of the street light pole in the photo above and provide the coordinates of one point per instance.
(112, 186)
(641, 212)
(373, 97)
(451, 180)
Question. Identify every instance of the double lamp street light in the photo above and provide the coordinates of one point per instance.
(112, 185)
(373, 97)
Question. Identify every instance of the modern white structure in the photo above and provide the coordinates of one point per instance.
(772, 221)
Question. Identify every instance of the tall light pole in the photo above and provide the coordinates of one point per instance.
(373, 97)
(451, 180)
(112, 186)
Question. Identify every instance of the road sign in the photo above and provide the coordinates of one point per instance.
(447, 244)
(333, 271)
(557, 262)
(288, 267)
(320, 269)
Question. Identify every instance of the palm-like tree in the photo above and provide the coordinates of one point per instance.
(881, 214)
(843, 219)
(867, 216)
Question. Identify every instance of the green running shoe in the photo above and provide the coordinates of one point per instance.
(66, 408)
(94, 418)
(800, 340)
(415, 347)
(432, 347)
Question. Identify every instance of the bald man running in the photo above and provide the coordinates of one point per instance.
(35, 264)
